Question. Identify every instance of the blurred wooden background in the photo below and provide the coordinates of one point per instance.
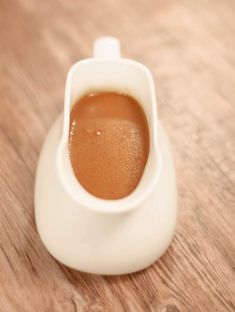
(189, 47)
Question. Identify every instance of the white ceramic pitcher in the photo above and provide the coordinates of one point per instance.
(96, 235)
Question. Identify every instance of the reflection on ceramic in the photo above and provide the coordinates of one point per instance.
(97, 235)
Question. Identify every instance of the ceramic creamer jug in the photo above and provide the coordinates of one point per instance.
(96, 235)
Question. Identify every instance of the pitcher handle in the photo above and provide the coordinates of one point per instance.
(107, 47)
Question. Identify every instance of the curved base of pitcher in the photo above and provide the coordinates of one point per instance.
(104, 244)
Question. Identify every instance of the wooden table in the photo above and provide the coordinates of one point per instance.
(189, 47)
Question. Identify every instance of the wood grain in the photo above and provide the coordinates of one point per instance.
(189, 47)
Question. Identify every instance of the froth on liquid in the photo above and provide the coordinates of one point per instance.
(108, 143)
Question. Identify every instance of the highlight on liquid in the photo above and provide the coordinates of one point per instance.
(108, 143)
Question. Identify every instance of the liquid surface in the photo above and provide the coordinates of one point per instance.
(108, 143)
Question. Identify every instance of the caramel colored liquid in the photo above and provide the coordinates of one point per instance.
(108, 144)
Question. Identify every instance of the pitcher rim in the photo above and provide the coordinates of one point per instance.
(132, 200)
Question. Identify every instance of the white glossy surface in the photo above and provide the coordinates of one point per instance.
(97, 242)
(106, 47)
(96, 235)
